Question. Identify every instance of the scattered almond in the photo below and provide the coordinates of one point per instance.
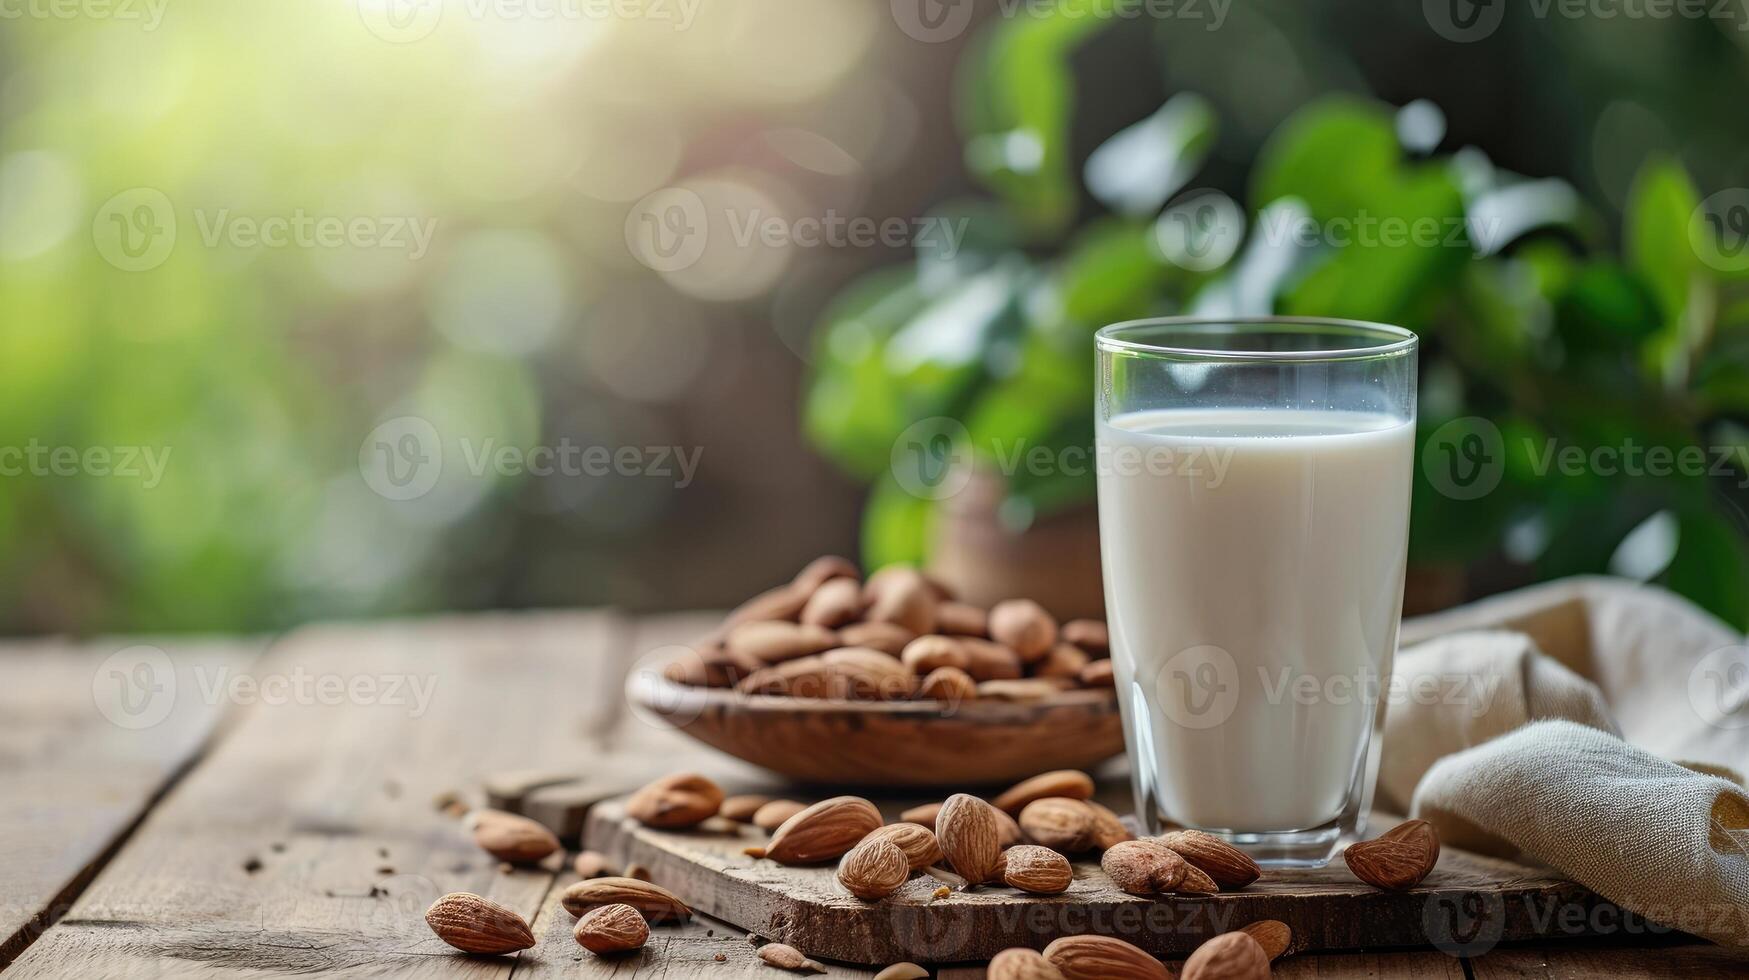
(1098, 674)
(1274, 936)
(657, 904)
(1090, 635)
(1196, 882)
(873, 869)
(772, 815)
(638, 871)
(788, 958)
(611, 929)
(742, 808)
(927, 653)
(1391, 864)
(1021, 691)
(918, 842)
(513, 838)
(1419, 832)
(1023, 626)
(823, 831)
(923, 815)
(1022, 964)
(1070, 783)
(592, 864)
(1036, 869)
(1228, 956)
(1226, 864)
(962, 619)
(1008, 833)
(949, 684)
(902, 971)
(476, 925)
(1059, 823)
(1102, 958)
(682, 800)
(1143, 867)
(967, 830)
(833, 604)
(1108, 828)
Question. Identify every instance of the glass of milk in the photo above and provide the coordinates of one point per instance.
(1253, 519)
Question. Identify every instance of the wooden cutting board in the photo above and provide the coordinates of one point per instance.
(1468, 903)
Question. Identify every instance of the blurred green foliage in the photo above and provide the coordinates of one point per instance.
(1531, 320)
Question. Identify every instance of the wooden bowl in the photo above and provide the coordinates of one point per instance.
(891, 743)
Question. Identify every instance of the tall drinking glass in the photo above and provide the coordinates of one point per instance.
(1253, 522)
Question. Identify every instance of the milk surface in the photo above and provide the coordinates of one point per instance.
(1254, 580)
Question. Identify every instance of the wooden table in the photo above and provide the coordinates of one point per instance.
(174, 808)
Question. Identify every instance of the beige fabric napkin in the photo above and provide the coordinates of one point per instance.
(1554, 738)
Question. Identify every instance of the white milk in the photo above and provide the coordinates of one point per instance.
(1253, 580)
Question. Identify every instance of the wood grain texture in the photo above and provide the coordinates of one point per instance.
(1568, 962)
(90, 734)
(307, 842)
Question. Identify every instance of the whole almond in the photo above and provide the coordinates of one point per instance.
(773, 642)
(1062, 660)
(783, 602)
(1393, 865)
(873, 869)
(987, 661)
(949, 684)
(1008, 833)
(476, 925)
(1097, 674)
(923, 815)
(926, 653)
(592, 864)
(967, 830)
(611, 929)
(788, 958)
(903, 971)
(902, 573)
(1090, 635)
(823, 831)
(1273, 935)
(1022, 964)
(655, 903)
(1102, 958)
(742, 808)
(962, 619)
(904, 597)
(1026, 691)
(824, 569)
(1023, 626)
(1059, 823)
(1036, 869)
(833, 604)
(513, 838)
(682, 800)
(866, 674)
(1417, 832)
(1070, 783)
(889, 638)
(918, 842)
(1228, 956)
(772, 815)
(1108, 829)
(1143, 867)
(1226, 864)
(710, 666)
(1196, 882)
(803, 677)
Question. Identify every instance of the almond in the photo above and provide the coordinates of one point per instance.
(655, 903)
(774, 642)
(780, 603)
(1393, 865)
(923, 815)
(867, 674)
(926, 653)
(1021, 691)
(803, 677)
(742, 808)
(1070, 783)
(611, 929)
(1419, 832)
(903, 971)
(1008, 833)
(903, 596)
(1274, 936)
(1143, 867)
(949, 684)
(1062, 660)
(823, 831)
(1108, 828)
(1035, 869)
(476, 925)
(711, 666)
(1022, 964)
(962, 619)
(1196, 882)
(1097, 674)
(1023, 626)
(592, 864)
(512, 838)
(987, 661)
(1090, 635)
(1102, 958)
(788, 958)
(890, 638)
(1059, 823)
(967, 830)
(772, 815)
(873, 869)
(833, 604)
(822, 570)
(1228, 956)
(682, 800)
(1226, 864)
(918, 842)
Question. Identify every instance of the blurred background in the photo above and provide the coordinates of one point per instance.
(370, 307)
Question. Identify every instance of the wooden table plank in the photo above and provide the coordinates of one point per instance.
(90, 734)
(307, 840)
(1569, 962)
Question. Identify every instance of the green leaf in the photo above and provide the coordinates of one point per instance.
(1711, 566)
(1661, 205)
(1137, 171)
(1333, 155)
(896, 526)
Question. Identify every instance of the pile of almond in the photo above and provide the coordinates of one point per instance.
(899, 635)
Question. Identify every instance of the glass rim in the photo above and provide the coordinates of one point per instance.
(1391, 341)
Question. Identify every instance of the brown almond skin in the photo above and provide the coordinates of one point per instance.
(1196, 882)
(1059, 823)
(927, 653)
(1090, 635)
(1023, 626)
(903, 597)
(772, 815)
(742, 808)
(1143, 867)
(1097, 674)
(611, 929)
(988, 661)
(873, 869)
(1420, 832)
(1036, 869)
(512, 837)
(682, 800)
(918, 842)
(592, 864)
(1273, 935)
(1024, 691)
(824, 831)
(477, 925)
(962, 619)
(863, 674)
(783, 602)
(1102, 958)
(1229, 867)
(923, 815)
(1022, 964)
(835, 603)
(775, 642)
(1070, 783)
(1062, 660)
(657, 904)
(1108, 829)
(903, 971)
(970, 838)
(949, 684)
(888, 638)
(1393, 865)
(1228, 956)
(822, 570)
(1008, 832)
